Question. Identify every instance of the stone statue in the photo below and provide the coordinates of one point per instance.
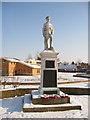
(48, 33)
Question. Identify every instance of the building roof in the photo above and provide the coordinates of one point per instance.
(11, 59)
(38, 61)
(30, 65)
(67, 67)
(34, 60)
(22, 62)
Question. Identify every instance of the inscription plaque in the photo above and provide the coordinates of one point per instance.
(49, 78)
(50, 64)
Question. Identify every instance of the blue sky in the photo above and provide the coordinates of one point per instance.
(22, 29)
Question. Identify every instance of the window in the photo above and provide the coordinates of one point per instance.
(3, 61)
(38, 70)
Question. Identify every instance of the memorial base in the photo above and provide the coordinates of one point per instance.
(33, 103)
(37, 98)
(49, 90)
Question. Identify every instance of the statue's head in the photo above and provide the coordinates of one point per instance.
(48, 18)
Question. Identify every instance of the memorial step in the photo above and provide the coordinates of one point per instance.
(30, 107)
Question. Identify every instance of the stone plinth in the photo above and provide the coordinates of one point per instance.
(37, 99)
(50, 90)
(48, 71)
(30, 107)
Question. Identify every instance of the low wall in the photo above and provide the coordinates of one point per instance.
(76, 91)
(15, 92)
(82, 75)
(22, 91)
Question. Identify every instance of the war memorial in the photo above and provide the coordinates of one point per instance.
(48, 97)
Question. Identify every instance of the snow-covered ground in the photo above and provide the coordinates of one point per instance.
(73, 85)
(12, 108)
(62, 77)
(20, 78)
(76, 85)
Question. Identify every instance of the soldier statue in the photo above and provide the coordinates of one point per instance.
(48, 33)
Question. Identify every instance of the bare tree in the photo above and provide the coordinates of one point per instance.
(58, 59)
(73, 63)
(37, 56)
(65, 63)
(29, 57)
(78, 61)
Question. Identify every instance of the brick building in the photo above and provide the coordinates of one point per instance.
(14, 66)
(83, 67)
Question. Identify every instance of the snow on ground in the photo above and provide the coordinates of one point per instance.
(76, 85)
(72, 85)
(12, 108)
(10, 105)
(62, 76)
(20, 78)
(29, 86)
